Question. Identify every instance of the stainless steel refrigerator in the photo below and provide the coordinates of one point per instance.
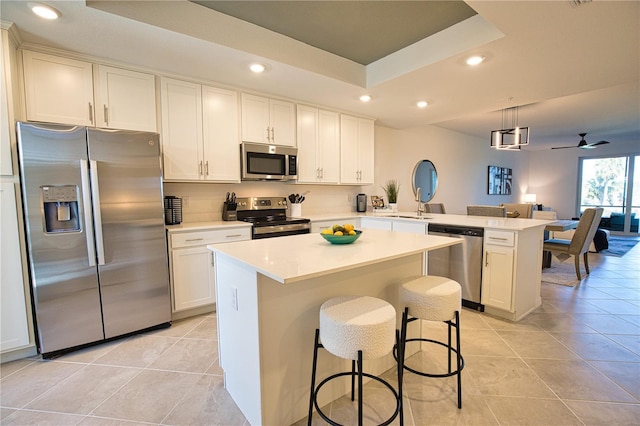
(95, 226)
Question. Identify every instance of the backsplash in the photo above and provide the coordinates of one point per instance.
(202, 202)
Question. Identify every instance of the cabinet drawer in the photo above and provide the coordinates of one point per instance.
(200, 238)
(499, 238)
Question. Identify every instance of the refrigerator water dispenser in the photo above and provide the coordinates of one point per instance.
(60, 209)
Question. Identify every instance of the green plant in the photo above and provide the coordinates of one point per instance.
(391, 188)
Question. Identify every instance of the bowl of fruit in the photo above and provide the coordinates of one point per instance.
(341, 234)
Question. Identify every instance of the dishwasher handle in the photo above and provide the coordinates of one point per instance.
(456, 230)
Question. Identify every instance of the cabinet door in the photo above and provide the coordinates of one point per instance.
(255, 119)
(58, 90)
(181, 130)
(368, 223)
(192, 278)
(125, 99)
(497, 277)
(366, 150)
(6, 165)
(221, 142)
(328, 146)
(349, 164)
(411, 227)
(282, 118)
(14, 331)
(307, 123)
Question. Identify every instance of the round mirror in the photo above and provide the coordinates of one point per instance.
(425, 178)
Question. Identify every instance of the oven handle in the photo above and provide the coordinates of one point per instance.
(269, 229)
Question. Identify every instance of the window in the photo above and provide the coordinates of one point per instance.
(614, 184)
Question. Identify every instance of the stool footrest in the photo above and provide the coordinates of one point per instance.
(421, 373)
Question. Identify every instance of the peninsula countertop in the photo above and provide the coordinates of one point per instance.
(300, 257)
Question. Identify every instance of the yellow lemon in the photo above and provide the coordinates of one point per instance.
(352, 232)
(327, 231)
(349, 227)
(338, 233)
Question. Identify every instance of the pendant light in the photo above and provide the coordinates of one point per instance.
(511, 136)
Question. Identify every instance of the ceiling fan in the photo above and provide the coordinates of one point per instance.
(582, 144)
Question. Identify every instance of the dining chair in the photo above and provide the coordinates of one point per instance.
(434, 208)
(494, 211)
(518, 210)
(579, 243)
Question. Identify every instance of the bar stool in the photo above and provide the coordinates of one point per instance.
(357, 328)
(433, 298)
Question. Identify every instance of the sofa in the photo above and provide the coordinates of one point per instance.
(616, 222)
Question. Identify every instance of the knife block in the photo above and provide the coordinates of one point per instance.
(229, 211)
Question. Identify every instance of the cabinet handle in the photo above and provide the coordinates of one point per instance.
(200, 168)
(321, 172)
(234, 235)
(496, 238)
(273, 135)
(206, 168)
(212, 259)
(268, 134)
(194, 239)
(106, 114)
(90, 113)
(486, 258)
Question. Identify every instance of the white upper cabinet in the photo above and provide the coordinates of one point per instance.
(58, 90)
(268, 121)
(356, 150)
(61, 90)
(318, 145)
(200, 132)
(125, 99)
(221, 133)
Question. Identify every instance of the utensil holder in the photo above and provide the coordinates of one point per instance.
(294, 210)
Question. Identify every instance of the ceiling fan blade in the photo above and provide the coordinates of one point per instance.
(599, 143)
(563, 147)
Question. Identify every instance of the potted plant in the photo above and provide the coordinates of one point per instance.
(391, 188)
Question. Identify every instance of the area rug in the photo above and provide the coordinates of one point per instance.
(563, 273)
(619, 246)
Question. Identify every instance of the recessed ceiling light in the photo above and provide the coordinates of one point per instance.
(365, 98)
(422, 104)
(44, 11)
(475, 60)
(257, 68)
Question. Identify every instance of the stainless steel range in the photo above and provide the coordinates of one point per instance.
(269, 217)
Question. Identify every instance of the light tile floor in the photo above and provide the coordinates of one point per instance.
(575, 360)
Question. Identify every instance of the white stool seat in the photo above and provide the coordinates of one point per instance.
(431, 297)
(349, 324)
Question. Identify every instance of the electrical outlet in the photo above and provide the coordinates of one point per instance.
(234, 298)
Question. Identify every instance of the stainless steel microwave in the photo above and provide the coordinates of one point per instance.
(268, 162)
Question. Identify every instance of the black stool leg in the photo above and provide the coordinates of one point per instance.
(359, 388)
(459, 360)
(449, 344)
(400, 367)
(313, 376)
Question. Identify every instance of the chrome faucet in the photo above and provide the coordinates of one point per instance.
(420, 205)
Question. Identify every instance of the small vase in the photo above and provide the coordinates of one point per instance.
(394, 207)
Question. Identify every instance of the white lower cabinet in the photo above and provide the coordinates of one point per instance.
(497, 269)
(192, 266)
(376, 223)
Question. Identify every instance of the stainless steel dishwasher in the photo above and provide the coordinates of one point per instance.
(461, 262)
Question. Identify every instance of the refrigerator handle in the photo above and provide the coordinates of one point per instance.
(88, 221)
(97, 214)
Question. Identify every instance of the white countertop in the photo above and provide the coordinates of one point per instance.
(199, 226)
(299, 257)
(512, 224)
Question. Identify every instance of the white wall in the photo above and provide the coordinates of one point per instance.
(461, 162)
(553, 174)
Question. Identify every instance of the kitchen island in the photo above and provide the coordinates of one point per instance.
(269, 294)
